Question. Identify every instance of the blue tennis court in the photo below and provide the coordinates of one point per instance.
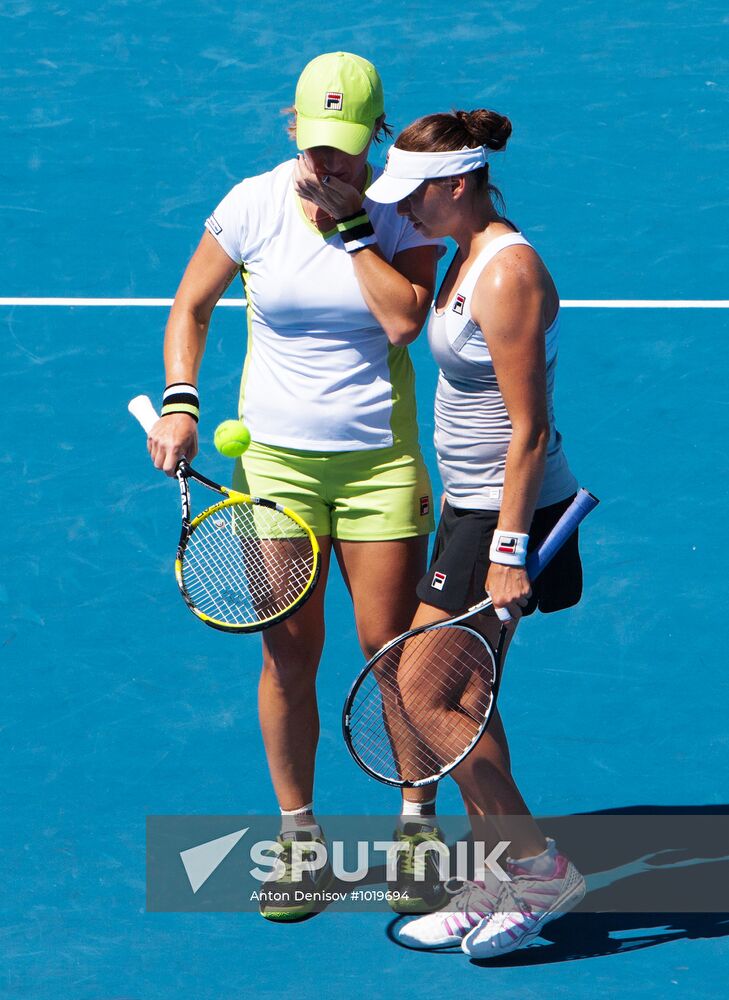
(125, 124)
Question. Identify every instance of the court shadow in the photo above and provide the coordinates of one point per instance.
(673, 858)
(596, 935)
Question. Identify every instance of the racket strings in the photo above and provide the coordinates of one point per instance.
(243, 570)
(238, 586)
(244, 564)
(423, 703)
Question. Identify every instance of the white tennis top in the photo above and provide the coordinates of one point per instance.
(320, 373)
(472, 426)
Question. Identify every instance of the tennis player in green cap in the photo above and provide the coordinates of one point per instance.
(337, 287)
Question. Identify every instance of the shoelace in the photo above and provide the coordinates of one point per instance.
(407, 860)
(285, 857)
(472, 894)
(511, 902)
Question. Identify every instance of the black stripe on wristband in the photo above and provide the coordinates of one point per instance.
(358, 232)
(181, 397)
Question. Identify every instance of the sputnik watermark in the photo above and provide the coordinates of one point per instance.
(311, 856)
(633, 863)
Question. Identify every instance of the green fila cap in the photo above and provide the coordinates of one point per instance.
(338, 100)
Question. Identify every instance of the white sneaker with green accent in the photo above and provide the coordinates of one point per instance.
(417, 879)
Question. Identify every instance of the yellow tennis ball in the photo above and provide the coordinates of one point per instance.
(232, 437)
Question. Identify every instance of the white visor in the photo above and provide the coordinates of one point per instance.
(405, 170)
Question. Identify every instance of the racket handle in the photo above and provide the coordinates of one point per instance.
(503, 615)
(141, 408)
(578, 510)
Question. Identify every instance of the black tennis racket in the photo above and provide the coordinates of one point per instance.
(422, 702)
(245, 563)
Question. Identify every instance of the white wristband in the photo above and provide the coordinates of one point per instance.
(508, 548)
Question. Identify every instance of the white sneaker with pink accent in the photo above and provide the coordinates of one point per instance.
(528, 903)
(467, 908)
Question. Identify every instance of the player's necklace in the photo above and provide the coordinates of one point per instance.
(321, 221)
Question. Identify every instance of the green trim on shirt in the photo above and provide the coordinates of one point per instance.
(403, 416)
(245, 278)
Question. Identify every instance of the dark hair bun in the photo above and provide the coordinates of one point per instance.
(487, 128)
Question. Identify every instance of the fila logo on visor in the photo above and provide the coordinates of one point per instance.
(333, 101)
(459, 304)
(439, 580)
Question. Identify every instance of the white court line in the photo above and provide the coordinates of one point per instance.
(241, 304)
(645, 303)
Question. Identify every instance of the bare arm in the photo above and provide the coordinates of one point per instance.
(206, 277)
(399, 294)
(509, 304)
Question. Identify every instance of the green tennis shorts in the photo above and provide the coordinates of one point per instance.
(358, 496)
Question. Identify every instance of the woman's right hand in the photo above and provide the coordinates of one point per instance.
(173, 437)
(508, 587)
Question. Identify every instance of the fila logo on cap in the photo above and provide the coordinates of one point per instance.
(438, 581)
(333, 101)
(459, 304)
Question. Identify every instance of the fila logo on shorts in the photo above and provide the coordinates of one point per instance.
(459, 304)
(333, 101)
(438, 581)
(424, 506)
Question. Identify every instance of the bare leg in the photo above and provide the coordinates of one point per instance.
(484, 778)
(487, 784)
(382, 577)
(287, 695)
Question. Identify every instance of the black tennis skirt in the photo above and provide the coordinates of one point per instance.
(460, 561)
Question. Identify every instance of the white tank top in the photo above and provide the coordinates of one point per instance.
(472, 426)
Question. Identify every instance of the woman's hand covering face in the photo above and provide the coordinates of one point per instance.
(329, 193)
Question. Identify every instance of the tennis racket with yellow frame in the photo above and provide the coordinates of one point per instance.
(245, 563)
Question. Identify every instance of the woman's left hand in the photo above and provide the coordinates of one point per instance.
(508, 587)
(330, 194)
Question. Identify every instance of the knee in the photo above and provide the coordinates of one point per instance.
(420, 700)
(291, 674)
(374, 637)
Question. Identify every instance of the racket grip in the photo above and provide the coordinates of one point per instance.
(141, 408)
(578, 510)
(503, 615)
